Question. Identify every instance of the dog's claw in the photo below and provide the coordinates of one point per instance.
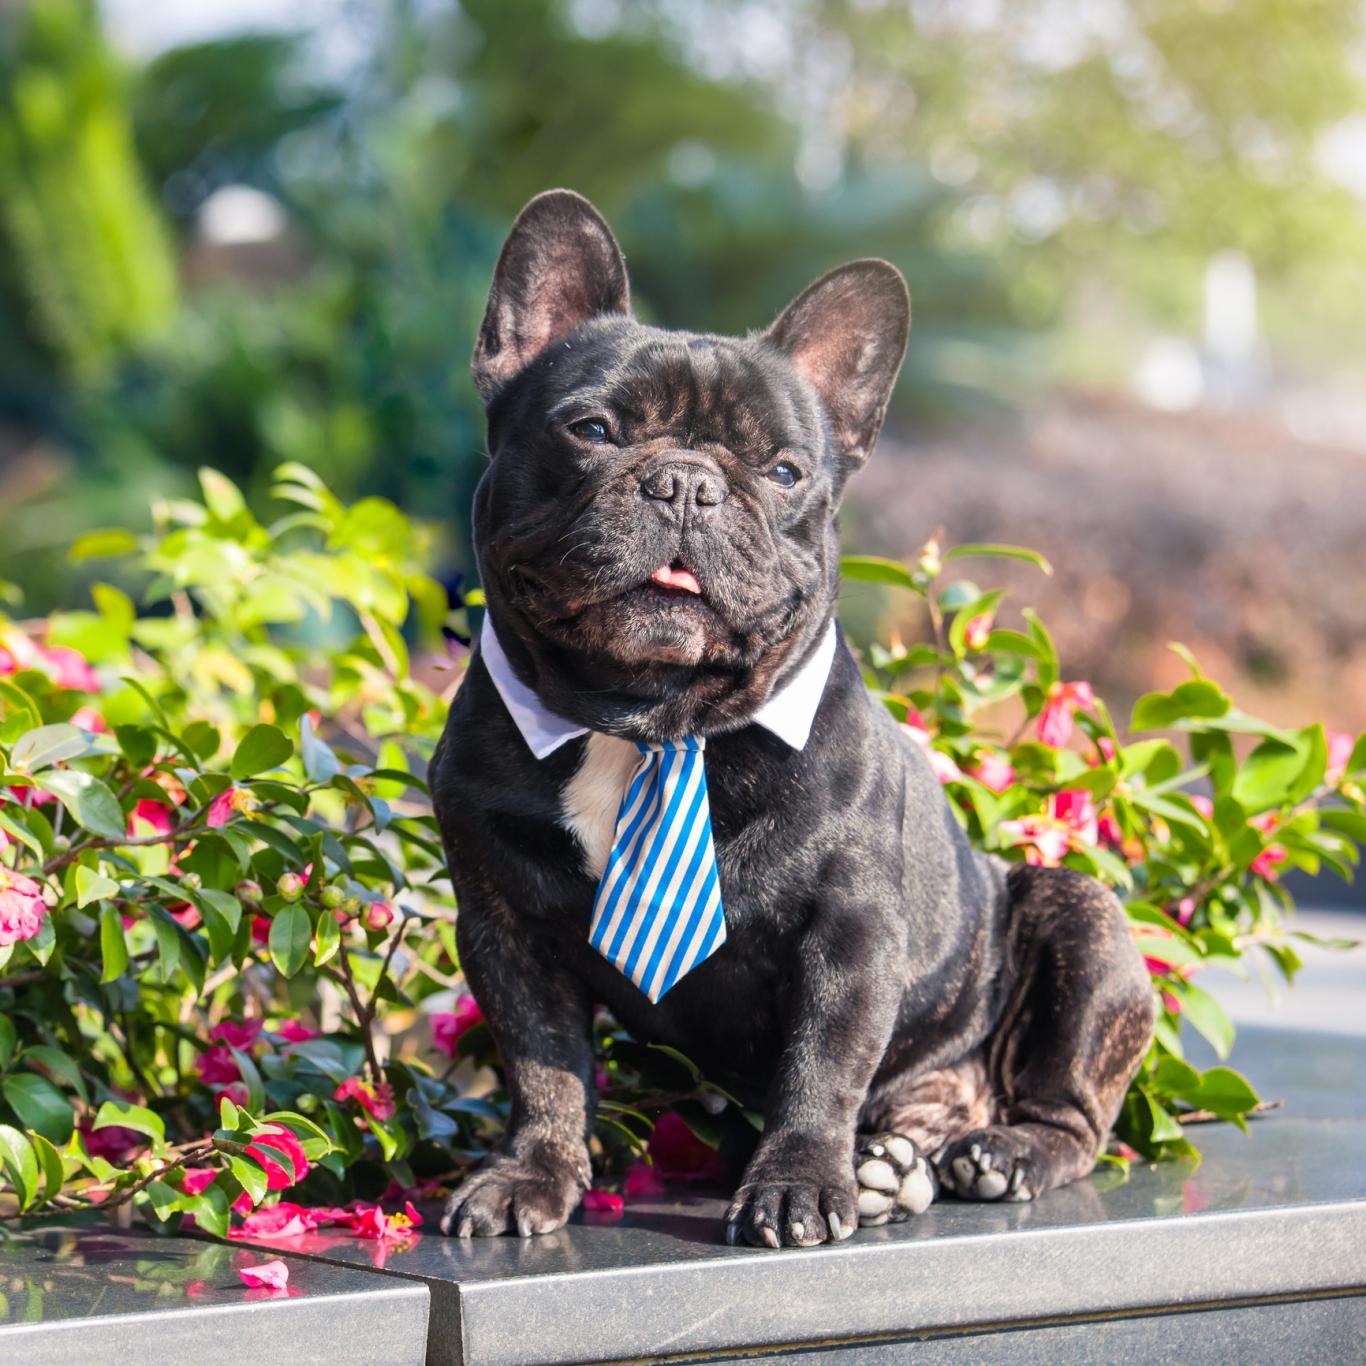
(770, 1237)
(836, 1228)
(732, 1234)
(466, 1229)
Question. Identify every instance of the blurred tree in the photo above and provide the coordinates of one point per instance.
(87, 253)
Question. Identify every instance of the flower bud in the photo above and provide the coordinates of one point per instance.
(333, 896)
(192, 882)
(379, 915)
(248, 892)
(290, 886)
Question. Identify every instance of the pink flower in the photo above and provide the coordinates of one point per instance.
(374, 1100)
(294, 1032)
(994, 771)
(1185, 909)
(370, 1221)
(264, 1148)
(22, 908)
(1055, 720)
(679, 1155)
(149, 817)
(1267, 863)
(284, 1220)
(450, 1026)
(1340, 746)
(231, 802)
(237, 1033)
(113, 1142)
(1203, 805)
(642, 1181)
(197, 1180)
(236, 1092)
(217, 1067)
(186, 916)
(68, 668)
(265, 1275)
(603, 1206)
(1045, 841)
(87, 718)
(378, 915)
(978, 630)
(260, 930)
(1077, 812)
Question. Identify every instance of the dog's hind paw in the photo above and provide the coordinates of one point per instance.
(508, 1195)
(989, 1164)
(894, 1180)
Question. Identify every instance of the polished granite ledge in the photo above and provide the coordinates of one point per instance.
(77, 1294)
(1264, 1241)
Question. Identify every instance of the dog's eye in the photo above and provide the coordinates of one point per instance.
(784, 474)
(591, 430)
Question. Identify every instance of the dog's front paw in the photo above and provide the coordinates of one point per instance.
(894, 1180)
(990, 1164)
(797, 1206)
(525, 1194)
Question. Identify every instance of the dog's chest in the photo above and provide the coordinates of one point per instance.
(591, 799)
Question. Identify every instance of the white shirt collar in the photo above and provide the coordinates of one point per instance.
(789, 713)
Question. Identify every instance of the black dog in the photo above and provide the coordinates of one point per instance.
(657, 540)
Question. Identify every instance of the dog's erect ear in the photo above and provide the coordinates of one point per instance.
(559, 267)
(847, 334)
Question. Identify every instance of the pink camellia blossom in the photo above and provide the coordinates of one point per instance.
(1185, 910)
(679, 1155)
(374, 1100)
(186, 916)
(603, 1206)
(450, 1026)
(217, 1066)
(235, 1091)
(260, 930)
(232, 801)
(68, 668)
(1267, 863)
(978, 630)
(1340, 746)
(149, 817)
(265, 1275)
(112, 1142)
(197, 1180)
(284, 1220)
(87, 718)
(22, 908)
(265, 1148)
(370, 1221)
(378, 915)
(241, 1034)
(292, 1031)
(1203, 805)
(994, 771)
(1044, 840)
(1077, 812)
(642, 1181)
(1056, 718)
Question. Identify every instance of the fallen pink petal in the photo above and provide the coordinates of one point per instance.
(265, 1275)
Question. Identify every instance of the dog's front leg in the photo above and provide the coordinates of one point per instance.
(541, 1021)
(799, 1187)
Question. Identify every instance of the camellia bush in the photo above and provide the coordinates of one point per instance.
(229, 983)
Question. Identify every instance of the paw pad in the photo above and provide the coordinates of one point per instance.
(894, 1180)
(978, 1172)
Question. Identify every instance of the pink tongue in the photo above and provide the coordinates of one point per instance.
(668, 577)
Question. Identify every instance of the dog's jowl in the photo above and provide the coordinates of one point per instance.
(664, 786)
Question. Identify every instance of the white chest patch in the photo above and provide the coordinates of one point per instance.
(592, 797)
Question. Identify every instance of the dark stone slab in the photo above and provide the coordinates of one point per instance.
(1279, 1215)
(73, 1294)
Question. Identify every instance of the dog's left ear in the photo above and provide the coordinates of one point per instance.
(559, 267)
(846, 334)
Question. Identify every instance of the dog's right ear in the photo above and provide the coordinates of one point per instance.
(559, 267)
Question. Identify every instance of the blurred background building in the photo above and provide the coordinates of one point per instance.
(234, 233)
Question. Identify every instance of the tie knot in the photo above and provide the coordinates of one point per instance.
(689, 744)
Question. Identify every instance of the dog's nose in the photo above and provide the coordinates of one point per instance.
(685, 483)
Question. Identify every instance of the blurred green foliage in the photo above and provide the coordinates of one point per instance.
(1012, 160)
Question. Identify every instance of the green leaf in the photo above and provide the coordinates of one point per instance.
(876, 569)
(221, 496)
(263, 747)
(135, 1117)
(210, 1209)
(1206, 1015)
(49, 1163)
(20, 1164)
(113, 945)
(1006, 552)
(251, 1176)
(1196, 697)
(93, 885)
(1225, 1093)
(62, 1066)
(9, 1040)
(320, 764)
(327, 939)
(290, 932)
(1267, 774)
(90, 803)
(103, 544)
(39, 1105)
(48, 745)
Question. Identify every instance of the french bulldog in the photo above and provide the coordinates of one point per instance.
(656, 537)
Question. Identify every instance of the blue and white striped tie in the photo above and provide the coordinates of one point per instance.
(658, 911)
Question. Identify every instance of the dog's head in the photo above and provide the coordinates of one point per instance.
(656, 532)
